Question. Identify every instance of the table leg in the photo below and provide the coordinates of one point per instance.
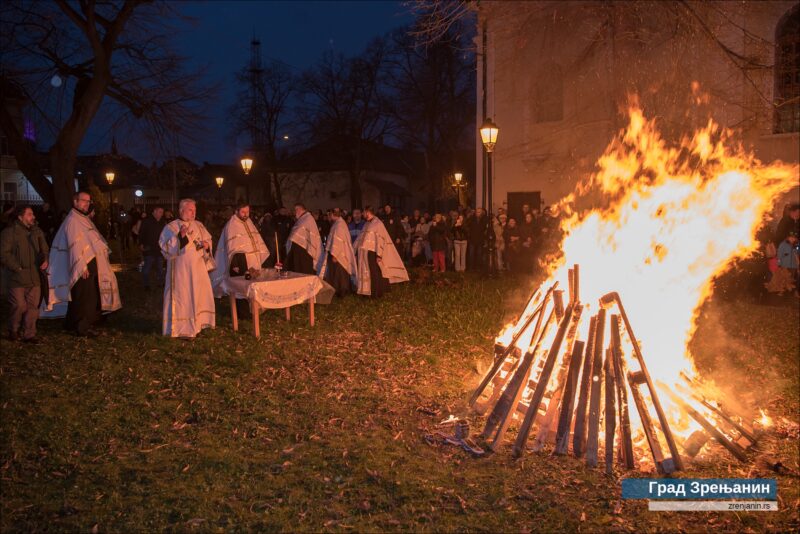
(288, 313)
(256, 319)
(234, 315)
(311, 311)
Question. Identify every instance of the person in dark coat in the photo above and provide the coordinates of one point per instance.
(149, 233)
(47, 222)
(511, 236)
(283, 225)
(477, 233)
(528, 238)
(790, 222)
(270, 236)
(391, 220)
(23, 252)
(437, 237)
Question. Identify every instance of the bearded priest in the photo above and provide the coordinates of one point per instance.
(239, 250)
(379, 264)
(80, 274)
(338, 263)
(188, 298)
(304, 245)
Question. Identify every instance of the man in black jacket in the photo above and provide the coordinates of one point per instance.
(149, 233)
(477, 240)
(391, 220)
(282, 222)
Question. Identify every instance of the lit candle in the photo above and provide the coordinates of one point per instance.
(277, 249)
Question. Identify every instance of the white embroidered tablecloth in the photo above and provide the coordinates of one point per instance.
(271, 291)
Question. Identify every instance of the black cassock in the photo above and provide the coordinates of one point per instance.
(268, 234)
(336, 276)
(378, 284)
(299, 261)
(83, 310)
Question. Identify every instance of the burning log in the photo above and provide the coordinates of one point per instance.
(558, 303)
(550, 422)
(594, 400)
(695, 442)
(568, 399)
(720, 411)
(571, 283)
(611, 413)
(579, 433)
(576, 282)
(606, 301)
(626, 444)
(732, 447)
(634, 380)
(503, 411)
(544, 378)
(498, 363)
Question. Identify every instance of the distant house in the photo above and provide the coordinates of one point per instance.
(320, 176)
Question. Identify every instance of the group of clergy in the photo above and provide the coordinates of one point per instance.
(82, 285)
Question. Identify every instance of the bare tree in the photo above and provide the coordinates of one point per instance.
(113, 54)
(268, 93)
(344, 100)
(433, 98)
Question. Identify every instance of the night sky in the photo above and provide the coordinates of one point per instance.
(293, 32)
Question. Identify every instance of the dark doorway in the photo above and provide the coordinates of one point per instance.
(516, 200)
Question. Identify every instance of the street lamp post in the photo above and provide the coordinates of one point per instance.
(110, 179)
(489, 131)
(459, 186)
(219, 180)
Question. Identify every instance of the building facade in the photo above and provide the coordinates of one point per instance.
(556, 75)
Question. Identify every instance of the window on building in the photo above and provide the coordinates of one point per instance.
(10, 191)
(787, 73)
(548, 94)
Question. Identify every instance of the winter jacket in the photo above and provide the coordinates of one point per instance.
(22, 251)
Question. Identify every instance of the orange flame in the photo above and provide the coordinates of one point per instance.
(671, 219)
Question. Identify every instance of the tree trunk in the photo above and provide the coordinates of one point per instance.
(86, 101)
(278, 198)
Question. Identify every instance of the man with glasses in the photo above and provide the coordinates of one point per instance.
(80, 272)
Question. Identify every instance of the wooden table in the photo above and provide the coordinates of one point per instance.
(269, 291)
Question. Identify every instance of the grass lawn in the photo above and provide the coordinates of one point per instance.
(321, 428)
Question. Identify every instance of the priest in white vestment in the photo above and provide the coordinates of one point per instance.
(304, 246)
(80, 280)
(338, 262)
(188, 297)
(240, 249)
(379, 264)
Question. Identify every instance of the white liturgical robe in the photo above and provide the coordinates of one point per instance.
(375, 238)
(188, 298)
(306, 234)
(238, 237)
(76, 243)
(340, 247)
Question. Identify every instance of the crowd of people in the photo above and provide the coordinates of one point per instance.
(457, 240)
(62, 267)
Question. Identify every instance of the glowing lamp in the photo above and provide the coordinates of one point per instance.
(247, 164)
(489, 131)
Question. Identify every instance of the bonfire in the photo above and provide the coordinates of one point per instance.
(636, 271)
